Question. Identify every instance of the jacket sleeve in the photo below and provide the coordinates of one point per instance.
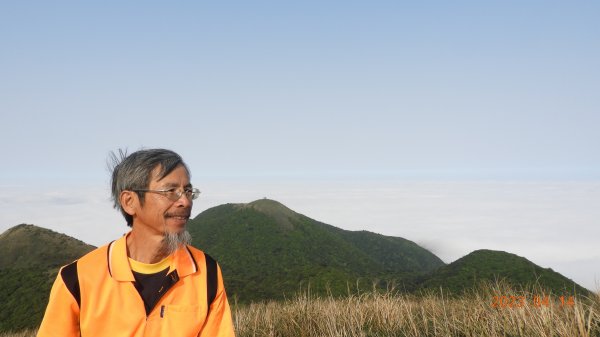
(62, 313)
(219, 322)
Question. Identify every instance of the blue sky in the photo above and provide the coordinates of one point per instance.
(318, 92)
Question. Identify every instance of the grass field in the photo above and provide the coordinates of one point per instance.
(487, 311)
(492, 310)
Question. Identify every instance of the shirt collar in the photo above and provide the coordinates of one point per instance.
(118, 263)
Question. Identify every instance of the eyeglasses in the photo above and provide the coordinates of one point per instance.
(175, 194)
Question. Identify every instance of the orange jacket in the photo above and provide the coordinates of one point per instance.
(111, 306)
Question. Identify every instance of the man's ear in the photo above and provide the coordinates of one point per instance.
(129, 202)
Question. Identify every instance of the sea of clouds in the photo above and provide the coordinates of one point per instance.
(553, 224)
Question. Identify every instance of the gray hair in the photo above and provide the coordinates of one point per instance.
(134, 172)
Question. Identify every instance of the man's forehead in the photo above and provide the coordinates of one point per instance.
(155, 176)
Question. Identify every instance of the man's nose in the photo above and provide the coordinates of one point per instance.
(184, 201)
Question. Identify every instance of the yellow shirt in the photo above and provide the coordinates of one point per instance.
(150, 268)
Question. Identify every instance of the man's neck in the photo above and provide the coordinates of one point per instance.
(145, 247)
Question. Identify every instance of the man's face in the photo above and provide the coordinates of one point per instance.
(159, 214)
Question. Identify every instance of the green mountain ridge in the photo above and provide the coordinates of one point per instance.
(29, 260)
(268, 251)
(24, 238)
(489, 265)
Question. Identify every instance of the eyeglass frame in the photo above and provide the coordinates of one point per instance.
(194, 193)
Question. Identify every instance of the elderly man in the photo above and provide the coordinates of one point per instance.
(150, 282)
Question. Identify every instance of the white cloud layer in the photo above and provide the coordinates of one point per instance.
(553, 224)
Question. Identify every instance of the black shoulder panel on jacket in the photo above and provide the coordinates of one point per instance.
(211, 279)
(69, 276)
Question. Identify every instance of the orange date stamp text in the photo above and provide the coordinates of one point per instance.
(535, 301)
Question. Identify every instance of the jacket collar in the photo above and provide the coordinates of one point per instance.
(118, 263)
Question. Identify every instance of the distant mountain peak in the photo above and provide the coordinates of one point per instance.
(270, 205)
(490, 265)
(281, 213)
(26, 245)
(16, 228)
(267, 251)
(24, 229)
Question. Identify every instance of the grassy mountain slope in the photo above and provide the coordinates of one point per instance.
(267, 250)
(489, 265)
(29, 259)
(29, 246)
(395, 254)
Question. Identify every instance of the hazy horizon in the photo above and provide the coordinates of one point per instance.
(451, 219)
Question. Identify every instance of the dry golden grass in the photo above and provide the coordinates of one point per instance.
(433, 314)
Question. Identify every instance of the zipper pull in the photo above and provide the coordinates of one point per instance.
(162, 311)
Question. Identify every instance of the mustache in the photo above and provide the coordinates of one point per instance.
(184, 214)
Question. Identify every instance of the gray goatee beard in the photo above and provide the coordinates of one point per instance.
(173, 241)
